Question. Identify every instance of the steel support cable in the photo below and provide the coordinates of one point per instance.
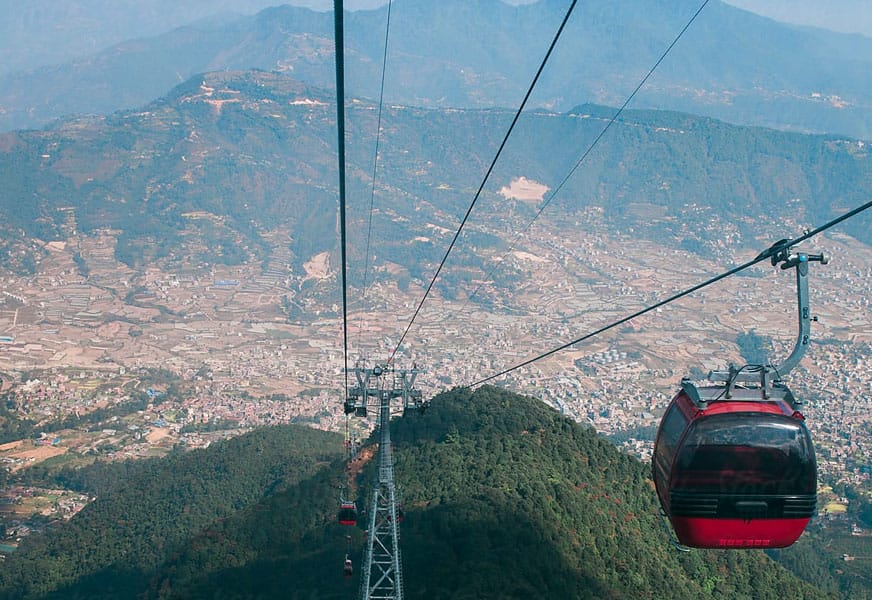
(487, 175)
(381, 96)
(760, 258)
(586, 153)
(339, 35)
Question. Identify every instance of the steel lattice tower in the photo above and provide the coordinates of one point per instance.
(382, 577)
(382, 571)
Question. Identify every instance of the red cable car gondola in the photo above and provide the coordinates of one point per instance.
(740, 473)
(347, 513)
(733, 463)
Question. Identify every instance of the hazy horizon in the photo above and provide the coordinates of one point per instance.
(843, 16)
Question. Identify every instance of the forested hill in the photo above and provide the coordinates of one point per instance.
(525, 503)
(503, 497)
(147, 511)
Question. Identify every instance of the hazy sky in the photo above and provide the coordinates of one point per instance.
(848, 16)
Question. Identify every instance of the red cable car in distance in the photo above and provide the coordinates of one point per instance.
(347, 513)
(733, 462)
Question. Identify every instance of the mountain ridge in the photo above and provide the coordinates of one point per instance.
(484, 55)
(255, 150)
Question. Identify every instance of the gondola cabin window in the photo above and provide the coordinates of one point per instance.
(674, 423)
(746, 453)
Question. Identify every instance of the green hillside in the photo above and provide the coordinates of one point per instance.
(149, 510)
(582, 515)
(503, 497)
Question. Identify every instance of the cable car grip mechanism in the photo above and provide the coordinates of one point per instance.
(768, 377)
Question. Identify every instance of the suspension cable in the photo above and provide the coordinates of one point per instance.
(339, 34)
(759, 258)
(584, 155)
(486, 176)
(381, 96)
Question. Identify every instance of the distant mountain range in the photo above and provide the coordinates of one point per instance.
(40, 33)
(503, 497)
(230, 164)
(730, 64)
